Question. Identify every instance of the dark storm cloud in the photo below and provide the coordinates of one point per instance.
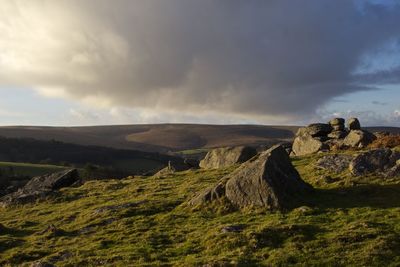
(246, 57)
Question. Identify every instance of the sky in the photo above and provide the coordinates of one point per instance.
(97, 62)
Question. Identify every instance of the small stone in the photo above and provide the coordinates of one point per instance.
(233, 228)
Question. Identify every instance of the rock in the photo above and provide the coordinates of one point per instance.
(337, 124)
(41, 264)
(358, 138)
(335, 163)
(337, 134)
(236, 228)
(325, 179)
(377, 160)
(225, 157)
(269, 180)
(337, 121)
(353, 124)
(40, 187)
(210, 194)
(315, 130)
(306, 144)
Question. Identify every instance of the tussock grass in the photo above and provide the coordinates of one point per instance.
(145, 221)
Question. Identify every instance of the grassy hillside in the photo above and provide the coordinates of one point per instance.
(59, 153)
(146, 222)
(27, 169)
(157, 137)
(163, 137)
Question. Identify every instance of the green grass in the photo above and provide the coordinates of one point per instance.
(351, 222)
(28, 169)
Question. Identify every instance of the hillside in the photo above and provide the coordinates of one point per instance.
(28, 150)
(157, 137)
(163, 137)
(145, 221)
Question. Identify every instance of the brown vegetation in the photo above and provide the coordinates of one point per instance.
(389, 141)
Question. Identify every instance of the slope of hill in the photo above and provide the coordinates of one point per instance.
(163, 137)
(158, 137)
(56, 152)
(145, 221)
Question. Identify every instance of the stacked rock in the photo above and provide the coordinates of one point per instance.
(338, 128)
(320, 136)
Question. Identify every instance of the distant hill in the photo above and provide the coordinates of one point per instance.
(157, 137)
(163, 137)
(29, 150)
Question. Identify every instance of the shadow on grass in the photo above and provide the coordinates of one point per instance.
(372, 196)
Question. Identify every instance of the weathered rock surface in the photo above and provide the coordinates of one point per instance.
(358, 138)
(270, 180)
(377, 160)
(210, 194)
(225, 157)
(337, 124)
(315, 130)
(306, 144)
(41, 186)
(353, 124)
(335, 163)
(173, 168)
(337, 135)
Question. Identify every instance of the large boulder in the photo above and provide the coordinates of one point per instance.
(270, 181)
(228, 156)
(377, 160)
(315, 130)
(358, 138)
(41, 186)
(210, 194)
(306, 144)
(353, 124)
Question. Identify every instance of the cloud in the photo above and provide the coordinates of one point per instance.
(246, 58)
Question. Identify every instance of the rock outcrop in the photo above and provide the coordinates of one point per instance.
(268, 180)
(306, 144)
(354, 124)
(322, 137)
(335, 163)
(228, 156)
(41, 186)
(378, 160)
(358, 138)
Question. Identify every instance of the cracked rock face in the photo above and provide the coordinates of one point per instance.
(40, 187)
(228, 156)
(377, 160)
(268, 180)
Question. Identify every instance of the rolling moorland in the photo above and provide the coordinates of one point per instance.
(346, 220)
(146, 221)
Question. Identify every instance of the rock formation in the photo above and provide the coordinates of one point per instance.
(320, 137)
(268, 180)
(41, 186)
(353, 124)
(228, 156)
(378, 160)
(358, 138)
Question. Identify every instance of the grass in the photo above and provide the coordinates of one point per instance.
(145, 221)
(28, 169)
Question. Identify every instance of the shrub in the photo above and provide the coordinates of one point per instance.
(389, 141)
